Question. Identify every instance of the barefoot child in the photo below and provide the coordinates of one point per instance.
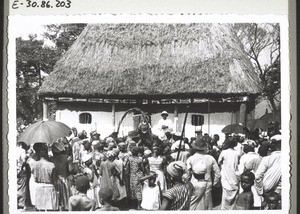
(81, 202)
(106, 195)
(245, 199)
(151, 192)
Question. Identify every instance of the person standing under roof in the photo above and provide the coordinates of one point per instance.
(164, 124)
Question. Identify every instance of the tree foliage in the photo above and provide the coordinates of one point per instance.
(261, 42)
(34, 60)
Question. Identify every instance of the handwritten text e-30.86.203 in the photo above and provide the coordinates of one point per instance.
(47, 4)
(42, 4)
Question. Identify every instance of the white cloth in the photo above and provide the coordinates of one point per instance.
(212, 168)
(228, 160)
(150, 197)
(268, 173)
(249, 161)
(198, 199)
(176, 145)
(166, 122)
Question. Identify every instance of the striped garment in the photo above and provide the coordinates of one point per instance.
(179, 196)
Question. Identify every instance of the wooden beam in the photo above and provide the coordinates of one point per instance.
(113, 109)
(45, 111)
(243, 111)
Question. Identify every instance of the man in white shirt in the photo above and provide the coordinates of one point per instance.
(164, 124)
(268, 173)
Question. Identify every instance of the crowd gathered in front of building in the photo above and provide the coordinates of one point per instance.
(142, 171)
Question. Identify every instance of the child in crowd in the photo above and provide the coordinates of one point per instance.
(81, 202)
(151, 192)
(106, 195)
(245, 199)
(272, 201)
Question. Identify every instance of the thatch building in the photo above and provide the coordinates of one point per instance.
(113, 67)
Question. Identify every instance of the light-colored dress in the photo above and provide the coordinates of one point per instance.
(198, 199)
(156, 166)
(46, 197)
(229, 160)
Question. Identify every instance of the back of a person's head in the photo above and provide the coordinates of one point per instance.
(248, 148)
(106, 194)
(263, 150)
(248, 174)
(82, 183)
(231, 142)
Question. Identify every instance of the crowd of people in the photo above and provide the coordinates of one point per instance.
(143, 171)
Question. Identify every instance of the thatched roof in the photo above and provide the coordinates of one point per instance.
(117, 60)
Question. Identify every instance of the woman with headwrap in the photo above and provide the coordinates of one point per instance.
(179, 196)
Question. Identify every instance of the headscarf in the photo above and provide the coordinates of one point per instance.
(176, 169)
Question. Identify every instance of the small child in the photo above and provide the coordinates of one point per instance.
(151, 192)
(81, 202)
(272, 201)
(105, 195)
(245, 199)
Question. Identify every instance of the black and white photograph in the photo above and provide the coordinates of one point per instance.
(149, 113)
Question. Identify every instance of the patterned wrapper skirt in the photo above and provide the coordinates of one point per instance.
(46, 197)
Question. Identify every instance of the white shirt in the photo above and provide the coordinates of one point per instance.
(150, 197)
(268, 173)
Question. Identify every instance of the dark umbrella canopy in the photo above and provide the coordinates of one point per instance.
(235, 128)
(44, 132)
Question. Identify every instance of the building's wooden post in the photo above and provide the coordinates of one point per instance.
(45, 110)
(175, 118)
(243, 111)
(113, 110)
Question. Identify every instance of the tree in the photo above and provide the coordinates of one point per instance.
(34, 60)
(63, 35)
(261, 43)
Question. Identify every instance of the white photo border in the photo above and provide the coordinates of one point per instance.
(16, 23)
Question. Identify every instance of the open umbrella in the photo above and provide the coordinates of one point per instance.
(44, 132)
(234, 128)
